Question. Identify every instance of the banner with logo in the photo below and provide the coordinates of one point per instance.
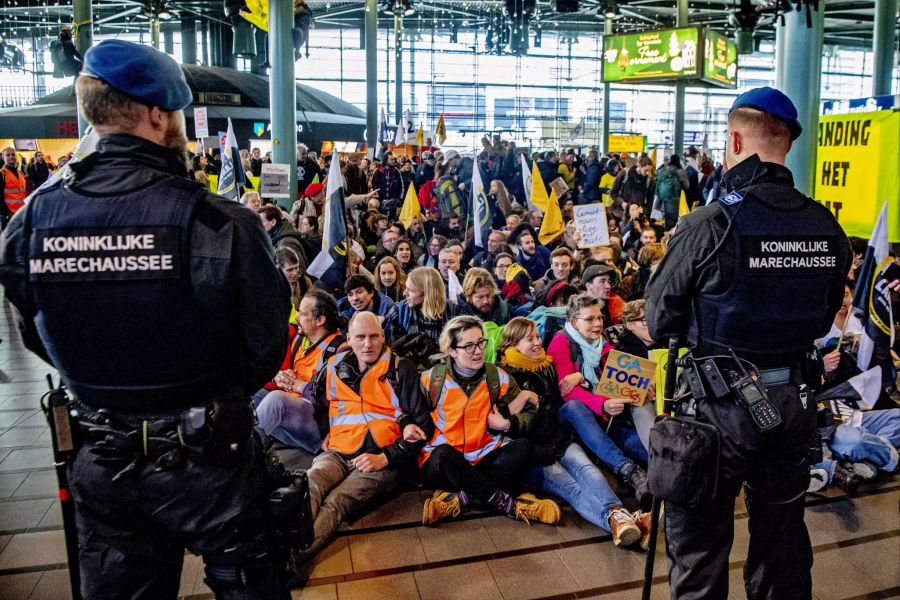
(858, 170)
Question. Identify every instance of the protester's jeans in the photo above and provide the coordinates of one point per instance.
(615, 448)
(290, 420)
(876, 440)
(576, 479)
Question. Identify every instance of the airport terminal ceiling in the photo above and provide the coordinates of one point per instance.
(848, 23)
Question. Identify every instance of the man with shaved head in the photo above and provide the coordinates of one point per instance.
(374, 420)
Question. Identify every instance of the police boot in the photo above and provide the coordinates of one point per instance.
(635, 477)
(846, 480)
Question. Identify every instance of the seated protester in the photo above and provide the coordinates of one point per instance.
(517, 288)
(281, 232)
(460, 249)
(562, 268)
(550, 317)
(599, 281)
(448, 260)
(284, 413)
(534, 257)
(579, 352)
(405, 256)
(362, 296)
(485, 258)
(390, 278)
(375, 226)
(563, 468)
(481, 298)
(310, 237)
(468, 455)
(289, 263)
(847, 330)
(502, 262)
(373, 417)
(647, 260)
(385, 247)
(633, 337)
(421, 315)
(449, 228)
(435, 245)
(647, 236)
(416, 235)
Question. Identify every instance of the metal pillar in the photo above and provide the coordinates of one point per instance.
(678, 134)
(883, 41)
(168, 41)
(154, 31)
(371, 38)
(204, 42)
(83, 15)
(798, 62)
(283, 90)
(188, 40)
(398, 65)
(604, 142)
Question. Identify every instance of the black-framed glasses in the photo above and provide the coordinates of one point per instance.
(470, 348)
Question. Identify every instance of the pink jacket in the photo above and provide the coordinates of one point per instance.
(562, 358)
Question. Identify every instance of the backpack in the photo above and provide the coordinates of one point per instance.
(667, 184)
(449, 201)
(439, 374)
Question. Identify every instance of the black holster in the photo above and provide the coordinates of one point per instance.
(684, 461)
(289, 507)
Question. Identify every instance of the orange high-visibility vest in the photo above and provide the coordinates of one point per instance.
(461, 420)
(307, 364)
(13, 189)
(352, 416)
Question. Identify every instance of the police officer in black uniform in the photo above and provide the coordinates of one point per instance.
(760, 272)
(161, 306)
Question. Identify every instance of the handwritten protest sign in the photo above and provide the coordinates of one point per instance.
(275, 181)
(590, 219)
(626, 376)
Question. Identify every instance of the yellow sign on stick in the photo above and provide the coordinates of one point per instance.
(858, 170)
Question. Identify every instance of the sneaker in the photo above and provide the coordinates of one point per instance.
(846, 480)
(864, 469)
(441, 505)
(818, 478)
(529, 508)
(644, 520)
(636, 478)
(623, 528)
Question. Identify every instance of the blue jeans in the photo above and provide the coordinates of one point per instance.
(576, 479)
(876, 440)
(617, 448)
(290, 420)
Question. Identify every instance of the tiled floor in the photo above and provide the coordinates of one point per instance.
(387, 556)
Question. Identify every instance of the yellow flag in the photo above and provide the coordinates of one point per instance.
(683, 207)
(552, 226)
(257, 13)
(539, 196)
(411, 206)
(653, 156)
(441, 133)
(420, 135)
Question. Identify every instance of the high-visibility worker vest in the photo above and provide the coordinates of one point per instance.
(375, 409)
(306, 364)
(461, 420)
(14, 193)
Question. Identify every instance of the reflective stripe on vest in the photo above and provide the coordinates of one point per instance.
(307, 364)
(352, 416)
(461, 421)
(13, 189)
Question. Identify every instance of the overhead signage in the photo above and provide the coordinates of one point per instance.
(683, 53)
(620, 143)
(201, 122)
(225, 98)
(856, 105)
(720, 58)
(858, 170)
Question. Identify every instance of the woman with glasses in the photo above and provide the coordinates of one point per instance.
(472, 458)
(579, 352)
(502, 262)
(562, 468)
(435, 245)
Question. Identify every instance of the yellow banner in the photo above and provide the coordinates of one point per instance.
(858, 169)
(627, 143)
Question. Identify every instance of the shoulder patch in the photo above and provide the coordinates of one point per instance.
(731, 198)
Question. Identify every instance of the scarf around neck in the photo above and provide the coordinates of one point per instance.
(516, 360)
(591, 353)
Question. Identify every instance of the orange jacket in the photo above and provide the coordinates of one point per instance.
(14, 192)
(461, 420)
(352, 416)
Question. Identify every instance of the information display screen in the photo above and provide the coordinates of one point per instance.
(649, 55)
(720, 59)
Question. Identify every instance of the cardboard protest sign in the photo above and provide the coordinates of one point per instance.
(626, 376)
(275, 181)
(590, 219)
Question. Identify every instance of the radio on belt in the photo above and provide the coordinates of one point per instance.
(753, 395)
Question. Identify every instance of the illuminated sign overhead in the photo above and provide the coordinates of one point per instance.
(720, 59)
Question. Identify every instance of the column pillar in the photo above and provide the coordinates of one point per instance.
(204, 42)
(371, 41)
(283, 90)
(798, 62)
(604, 141)
(883, 40)
(188, 40)
(398, 65)
(678, 134)
(83, 15)
(154, 31)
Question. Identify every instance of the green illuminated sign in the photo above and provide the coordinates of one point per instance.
(720, 59)
(691, 53)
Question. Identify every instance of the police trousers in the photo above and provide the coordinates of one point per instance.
(132, 532)
(773, 468)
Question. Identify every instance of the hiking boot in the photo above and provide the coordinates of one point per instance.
(529, 508)
(441, 505)
(644, 520)
(818, 478)
(622, 527)
(846, 480)
(635, 477)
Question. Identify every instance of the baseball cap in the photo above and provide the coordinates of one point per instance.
(451, 154)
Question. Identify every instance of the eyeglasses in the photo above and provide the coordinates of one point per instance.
(470, 348)
(597, 319)
(502, 266)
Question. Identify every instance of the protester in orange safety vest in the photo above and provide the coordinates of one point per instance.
(369, 402)
(13, 185)
(285, 413)
(469, 456)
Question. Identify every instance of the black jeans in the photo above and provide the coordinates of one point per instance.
(501, 470)
(132, 533)
(774, 469)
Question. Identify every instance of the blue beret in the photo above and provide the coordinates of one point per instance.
(147, 75)
(774, 102)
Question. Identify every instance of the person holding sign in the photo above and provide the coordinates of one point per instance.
(579, 352)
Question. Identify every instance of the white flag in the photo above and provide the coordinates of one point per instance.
(334, 229)
(405, 128)
(871, 298)
(228, 180)
(454, 289)
(480, 209)
(526, 182)
(577, 131)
